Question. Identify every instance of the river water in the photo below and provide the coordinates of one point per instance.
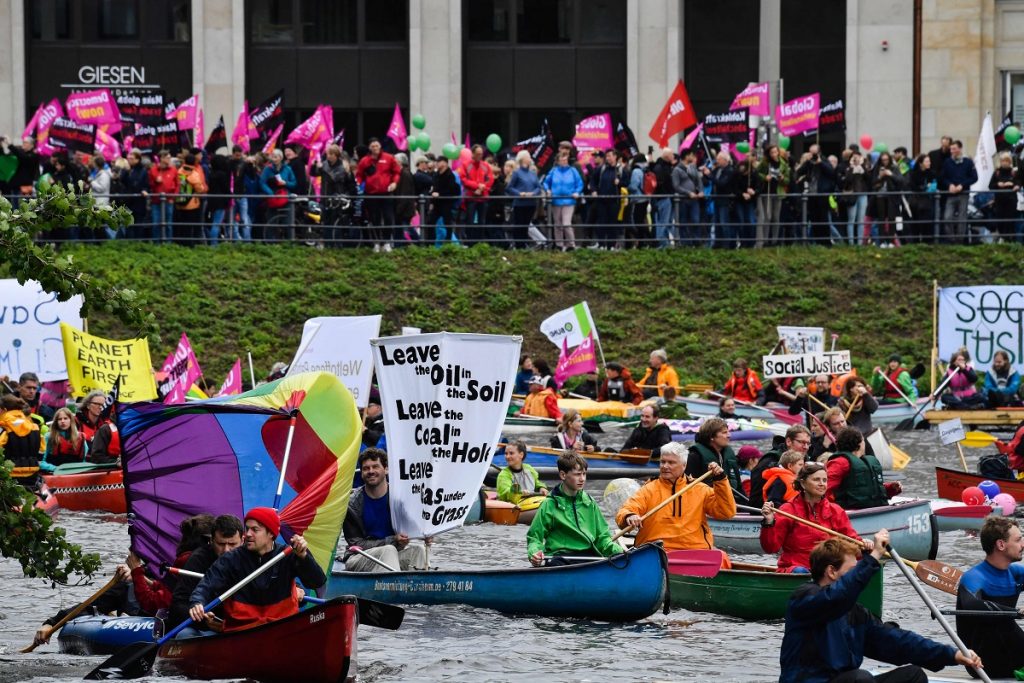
(455, 643)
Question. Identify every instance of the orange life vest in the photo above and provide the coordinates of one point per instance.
(787, 477)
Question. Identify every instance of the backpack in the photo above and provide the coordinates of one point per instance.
(650, 182)
(995, 466)
(185, 190)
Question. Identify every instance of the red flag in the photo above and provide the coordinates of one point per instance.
(676, 116)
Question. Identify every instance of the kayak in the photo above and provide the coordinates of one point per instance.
(98, 489)
(507, 513)
(314, 645)
(887, 413)
(103, 635)
(752, 591)
(620, 588)
(1004, 417)
(910, 524)
(951, 484)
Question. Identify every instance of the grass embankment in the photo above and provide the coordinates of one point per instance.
(705, 307)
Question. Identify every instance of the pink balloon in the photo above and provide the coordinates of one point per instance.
(466, 155)
(1007, 502)
(866, 143)
(972, 495)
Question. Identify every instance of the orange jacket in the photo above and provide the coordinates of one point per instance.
(544, 403)
(683, 523)
(744, 389)
(787, 477)
(666, 375)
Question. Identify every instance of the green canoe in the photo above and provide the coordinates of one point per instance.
(751, 591)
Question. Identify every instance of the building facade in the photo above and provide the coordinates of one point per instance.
(908, 71)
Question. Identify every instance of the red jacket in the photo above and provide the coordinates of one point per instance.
(743, 389)
(476, 174)
(387, 172)
(162, 181)
(153, 595)
(797, 540)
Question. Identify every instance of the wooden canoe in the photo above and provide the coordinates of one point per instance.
(315, 645)
(500, 512)
(951, 484)
(751, 591)
(102, 489)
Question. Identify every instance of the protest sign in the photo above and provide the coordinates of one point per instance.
(625, 141)
(266, 117)
(30, 340)
(806, 364)
(541, 146)
(951, 432)
(832, 116)
(730, 126)
(802, 339)
(341, 346)
(95, 363)
(164, 136)
(181, 368)
(572, 324)
(92, 106)
(754, 97)
(140, 106)
(798, 115)
(445, 397)
(185, 114)
(50, 113)
(73, 136)
(594, 133)
(983, 319)
(580, 361)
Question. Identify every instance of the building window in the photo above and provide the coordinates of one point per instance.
(50, 19)
(545, 21)
(328, 22)
(118, 20)
(167, 20)
(603, 21)
(1013, 95)
(488, 20)
(386, 21)
(271, 21)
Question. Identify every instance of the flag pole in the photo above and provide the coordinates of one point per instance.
(252, 375)
(935, 331)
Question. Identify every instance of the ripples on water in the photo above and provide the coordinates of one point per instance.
(454, 643)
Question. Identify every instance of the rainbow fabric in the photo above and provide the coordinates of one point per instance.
(223, 456)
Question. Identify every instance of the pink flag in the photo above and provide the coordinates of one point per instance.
(691, 139)
(185, 113)
(175, 395)
(50, 113)
(200, 130)
(244, 130)
(311, 132)
(93, 106)
(107, 146)
(397, 131)
(30, 127)
(798, 115)
(594, 132)
(181, 367)
(272, 142)
(233, 382)
(580, 361)
(110, 128)
(755, 98)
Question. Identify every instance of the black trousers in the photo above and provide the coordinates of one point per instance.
(904, 674)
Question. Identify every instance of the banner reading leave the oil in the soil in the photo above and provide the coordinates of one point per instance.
(982, 319)
(97, 363)
(444, 398)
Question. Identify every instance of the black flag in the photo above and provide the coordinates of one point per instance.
(269, 114)
(625, 141)
(541, 146)
(218, 138)
(109, 411)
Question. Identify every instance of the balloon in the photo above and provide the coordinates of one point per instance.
(989, 488)
(494, 143)
(418, 121)
(866, 142)
(411, 143)
(450, 150)
(881, 148)
(423, 141)
(784, 142)
(617, 492)
(972, 495)
(1007, 502)
(465, 155)
(1011, 135)
(743, 147)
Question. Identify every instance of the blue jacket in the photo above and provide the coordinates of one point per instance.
(523, 180)
(954, 173)
(1010, 388)
(267, 177)
(562, 183)
(828, 633)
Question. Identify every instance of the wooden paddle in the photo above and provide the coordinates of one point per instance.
(136, 660)
(898, 390)
(700, 563)
(665, 502)
(853, 406)
(359, 551)
(636, 456)
(114, 580)
(909, 422)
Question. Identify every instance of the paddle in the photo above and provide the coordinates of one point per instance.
(136, 660)
(898, 390)
(626, 456)
(981, 613)
(359, 551)
(114, 580)
(82, 467)
(700, 563)
(622, 532)
(979, 439)
(935, 612)
(824, 427)
(908, 424)
(853, 406)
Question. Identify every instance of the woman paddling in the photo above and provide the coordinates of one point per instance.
(572, 436)
(858, 404)
(794, 539)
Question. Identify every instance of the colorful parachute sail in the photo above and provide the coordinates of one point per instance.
(223, 456)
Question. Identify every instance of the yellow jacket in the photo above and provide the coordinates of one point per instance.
(683, 523)
(666, 375)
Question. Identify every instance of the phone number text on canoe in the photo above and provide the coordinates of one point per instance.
(424, 586)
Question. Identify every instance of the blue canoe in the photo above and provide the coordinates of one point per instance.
(102, 635)
(625, 587)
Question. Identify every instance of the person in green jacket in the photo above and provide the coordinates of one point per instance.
(569, 522)
(897, 375)
(518, 480)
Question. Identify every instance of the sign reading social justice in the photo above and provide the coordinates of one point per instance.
(983, 319)
(30, 340)
(339, 345)
(804, 364)
(444, 397)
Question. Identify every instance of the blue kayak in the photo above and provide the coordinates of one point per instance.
(624, 587)
(102, 635)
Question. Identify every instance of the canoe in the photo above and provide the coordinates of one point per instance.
(539, 456)
(751, 591)
(951, 484)
(953, 516)
(621, 588)
(103, 635)
(910, 523)
(1004, 417)
(500, 512)
(314, 645)
(102, 489)
(887, 413)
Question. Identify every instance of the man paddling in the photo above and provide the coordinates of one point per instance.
(270, 596)
(828, 633)
(227, 535)
(995, 584)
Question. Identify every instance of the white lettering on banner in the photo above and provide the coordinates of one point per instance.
(444, 398)
(798, 106)
(951, 431)
(594, 123)
(30, 338)
(676, 107)
(340, 346)
(982, 319)
(806, 364)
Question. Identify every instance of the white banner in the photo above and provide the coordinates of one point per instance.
(341, 346)
(984, 156)
(445, 396)
(982, 319)
(802, 339)
(30, 340)
(572, 324)
(806, 364)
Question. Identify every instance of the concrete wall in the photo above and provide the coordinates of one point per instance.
(218, 59)
(12, 68)
(654, 61)
(435, 66)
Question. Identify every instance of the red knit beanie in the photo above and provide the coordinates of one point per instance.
(267, 517)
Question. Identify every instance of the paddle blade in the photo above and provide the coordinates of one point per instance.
(900, 459)
(380, 614)
(133, 661)
(702, 563)
(978, 440)
(939, 575)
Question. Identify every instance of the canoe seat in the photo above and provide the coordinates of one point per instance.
(750, 567)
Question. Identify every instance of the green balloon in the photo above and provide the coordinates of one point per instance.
(743, 147)
(881, 147)
(1011, 135)
(784, 142)
(411, 143)
(419, 122)
(423, 141)
(494, 143)
(450, 150)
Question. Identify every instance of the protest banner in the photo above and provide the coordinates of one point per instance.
(339, 345)
(95, 363)
(181, 367)
(185, 113)
(232, 384)
(268, 115)
(50, 113)
(30, 340)
(798, 115)
(982, 319)
(107, 146)
(73, 136)
(806, 364)
(676, 116)
(541, 146)
(730, 126)
(164, 136)
(311, 132)
(984, 155)
(445, 397)
(218, 138)
(802, 339)
(572, 324)
(754, 97)
(582, 360)
(140, 106)
(397, 131)
(92, 106)
(832, 117)
(594, 133)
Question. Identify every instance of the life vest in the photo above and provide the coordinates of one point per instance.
(616, 390)
(534, 403)
(862, 487)
(114, 447)
(241, 615)
(20, 439)
(787, 477)
(1014, 450)
(726, 459)
(745, 389)
(839, 383)
(63, 451)
(890, 391)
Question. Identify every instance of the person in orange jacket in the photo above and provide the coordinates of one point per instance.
(683, 523)
(659, 376)
(541, 401)
(744, 384)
